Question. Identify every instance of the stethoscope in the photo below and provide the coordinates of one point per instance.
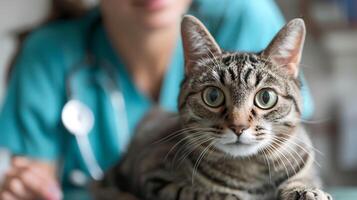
(78, 118)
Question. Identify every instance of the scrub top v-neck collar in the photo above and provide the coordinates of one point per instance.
(171, 82)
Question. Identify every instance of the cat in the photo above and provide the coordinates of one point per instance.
(237, 135)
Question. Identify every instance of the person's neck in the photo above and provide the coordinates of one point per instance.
(145, 53)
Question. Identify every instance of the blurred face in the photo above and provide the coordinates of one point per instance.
(152, 14)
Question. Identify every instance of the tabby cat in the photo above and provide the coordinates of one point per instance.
(238, 133)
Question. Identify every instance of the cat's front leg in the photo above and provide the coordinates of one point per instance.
(300, 190)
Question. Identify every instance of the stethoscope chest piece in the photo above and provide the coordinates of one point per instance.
(77, 118)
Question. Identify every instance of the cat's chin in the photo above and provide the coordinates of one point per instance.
(239, 149)
(244, 146)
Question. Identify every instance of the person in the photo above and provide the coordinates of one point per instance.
(140, 40)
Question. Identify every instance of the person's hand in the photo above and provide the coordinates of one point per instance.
(30, 180)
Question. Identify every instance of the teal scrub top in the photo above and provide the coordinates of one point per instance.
(30, 120)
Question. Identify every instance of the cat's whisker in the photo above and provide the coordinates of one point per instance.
(268, 163)
(273, 154)
(283, 161)
(303, 142)
(200, 157)
(293, 151)
(298, 145)
(181, 132)
(190, 135)
(318, 121)
(279, 154)
(192, 131)
(178, 143)
(286, 158)
(291, 155)
(283, 140)
(303, 149)
(194, 147)
(192, 140)
(191, 146)
(283, 131)
(176, 133)
(266, 153)
(306, 151)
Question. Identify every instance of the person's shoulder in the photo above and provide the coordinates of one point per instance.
(58, 39)
(55, 32)
(52, 49)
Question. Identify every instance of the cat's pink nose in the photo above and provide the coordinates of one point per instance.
(238, 129)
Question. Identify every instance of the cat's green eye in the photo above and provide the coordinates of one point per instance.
(213, 97)
(266, 99)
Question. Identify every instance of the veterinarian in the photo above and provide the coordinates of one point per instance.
(112, 64)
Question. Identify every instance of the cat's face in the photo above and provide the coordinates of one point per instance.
(242, 102)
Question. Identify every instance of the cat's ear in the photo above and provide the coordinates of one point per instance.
(286, 48)
(197, 42)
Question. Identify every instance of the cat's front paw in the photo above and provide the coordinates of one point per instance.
(307, 194)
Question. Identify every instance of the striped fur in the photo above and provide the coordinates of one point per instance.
(199, 154)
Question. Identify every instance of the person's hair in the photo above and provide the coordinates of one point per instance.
(60, 10)
(67, 9)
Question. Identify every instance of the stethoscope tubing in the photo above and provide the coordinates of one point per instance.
(112, 89)
(88, 156)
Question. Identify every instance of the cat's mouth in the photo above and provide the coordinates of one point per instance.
(244, 143)
(238, 146)
(240, 142)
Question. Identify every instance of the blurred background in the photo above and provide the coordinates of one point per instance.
(330, 66)
(329, 63)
